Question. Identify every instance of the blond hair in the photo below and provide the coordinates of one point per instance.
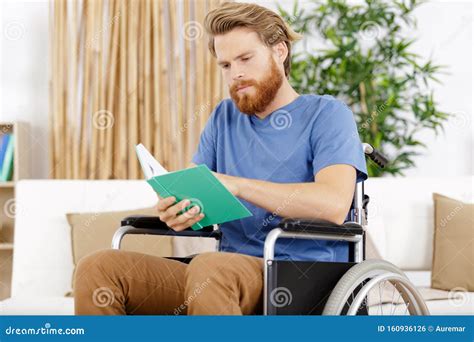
(270, 27)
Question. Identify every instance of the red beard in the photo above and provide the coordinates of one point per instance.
(265, 91)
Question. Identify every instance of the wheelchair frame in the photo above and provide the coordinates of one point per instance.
(352, 231)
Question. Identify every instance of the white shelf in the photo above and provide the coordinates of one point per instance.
(21, 170)
(5, 246)
(9, 184)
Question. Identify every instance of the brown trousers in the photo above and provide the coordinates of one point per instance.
(113, 282)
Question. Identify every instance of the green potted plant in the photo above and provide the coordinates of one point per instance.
(367, 63)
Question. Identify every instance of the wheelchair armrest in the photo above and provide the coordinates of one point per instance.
(319, 226)
(316, 229)
(154, 226)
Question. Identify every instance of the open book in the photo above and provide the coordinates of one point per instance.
(197, 184)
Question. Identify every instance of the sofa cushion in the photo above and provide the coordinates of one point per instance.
(42, 257)
(37, 306)
(453, 250)
(91, 232)
(401, 215)
(439, 302)
(371, 250)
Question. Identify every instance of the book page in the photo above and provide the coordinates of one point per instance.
(151, 167)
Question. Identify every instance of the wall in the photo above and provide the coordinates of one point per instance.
(444, 33)
(24, 74)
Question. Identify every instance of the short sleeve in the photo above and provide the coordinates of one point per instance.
(335, 140)
(206, 151)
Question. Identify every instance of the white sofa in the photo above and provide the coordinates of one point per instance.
(400, 213)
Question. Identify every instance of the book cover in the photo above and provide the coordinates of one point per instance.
(7, 169)
(5, 138)
(200, 186)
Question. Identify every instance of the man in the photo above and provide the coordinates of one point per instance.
(283, 154)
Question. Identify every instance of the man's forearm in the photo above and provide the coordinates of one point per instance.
(298, 200)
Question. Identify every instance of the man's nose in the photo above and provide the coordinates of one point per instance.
(237, 74)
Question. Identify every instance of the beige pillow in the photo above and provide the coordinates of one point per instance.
(91, 232)
(453, 248)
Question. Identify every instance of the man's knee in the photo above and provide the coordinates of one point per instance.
(206, 267)
(219, 282)
(220, 267)
(95, 265)
(209, 262)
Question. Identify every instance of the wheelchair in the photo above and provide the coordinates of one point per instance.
(355, 287)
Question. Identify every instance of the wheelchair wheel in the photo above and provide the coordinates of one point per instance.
(377, 287)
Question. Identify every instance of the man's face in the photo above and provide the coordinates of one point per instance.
(249, 69)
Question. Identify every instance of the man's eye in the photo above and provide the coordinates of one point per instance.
(245, 59)
(225, 66)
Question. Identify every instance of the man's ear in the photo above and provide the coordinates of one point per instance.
(281, 51)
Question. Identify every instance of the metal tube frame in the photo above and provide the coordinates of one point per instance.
(276, 233)
(124, 230)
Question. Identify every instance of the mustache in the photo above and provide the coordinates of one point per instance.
(240, 84)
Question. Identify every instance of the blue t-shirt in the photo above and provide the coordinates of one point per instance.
(290, 145)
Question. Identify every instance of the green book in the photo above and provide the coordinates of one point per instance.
(197, 184)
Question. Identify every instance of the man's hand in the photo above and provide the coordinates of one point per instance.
(168, 211)
(230, 182)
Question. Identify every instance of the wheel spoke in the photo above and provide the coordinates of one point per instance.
(357, 289)
(381, 299)
(393, 303)
(406, 309)
(398, 297)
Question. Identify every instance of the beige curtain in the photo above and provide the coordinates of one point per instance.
(125, 72)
